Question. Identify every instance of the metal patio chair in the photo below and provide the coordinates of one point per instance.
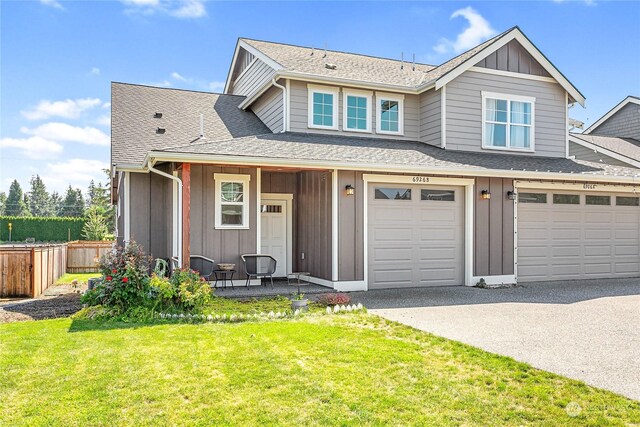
(203, 265)
(258, 266)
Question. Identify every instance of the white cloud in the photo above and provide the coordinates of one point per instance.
(69, 108)
(478, 31)
(95, 71)
(52, 3)
(104, 120)
(183, 9)
(34, 147)
(163, 83)
(216, 86)
(106, 105)
(75, 172)
(176, 76)
(586, 2)
(62, 132)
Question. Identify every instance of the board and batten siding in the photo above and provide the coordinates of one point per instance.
(300, 107)
(584, 153)
(253, 78)
(493, 228)
(223, 246)
(625, 123)
(351, 227)
(464, 111)
(515, 58)
(151, 213)
(430, 118)
(269, 108)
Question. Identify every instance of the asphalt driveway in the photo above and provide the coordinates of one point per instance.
(588, 330)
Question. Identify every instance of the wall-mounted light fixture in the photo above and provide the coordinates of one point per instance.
(349, 190)
(485, 195)
(511, 195)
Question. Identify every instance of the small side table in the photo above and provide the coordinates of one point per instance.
(297, 275)
(223, 276)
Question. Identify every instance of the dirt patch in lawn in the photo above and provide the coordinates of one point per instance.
(40, 308)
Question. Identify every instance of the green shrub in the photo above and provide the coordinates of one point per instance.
(192, 291)
(45, 229)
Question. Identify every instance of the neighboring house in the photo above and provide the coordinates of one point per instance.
(375, 173)
(613, 139)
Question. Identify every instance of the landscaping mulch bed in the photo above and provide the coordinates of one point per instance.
(41, 308)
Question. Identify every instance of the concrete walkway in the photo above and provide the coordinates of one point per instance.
(588, 330)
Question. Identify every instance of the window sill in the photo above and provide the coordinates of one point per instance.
(385, 132)
(357, 130)
(322, 127)
(231, 227)
(510, 150)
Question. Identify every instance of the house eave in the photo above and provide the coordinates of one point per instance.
(604, 151)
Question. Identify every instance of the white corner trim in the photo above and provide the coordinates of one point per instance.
(350, 286)
(529, 47)
(443, 117)
(258, 210)
(566, 125)
(335, 91)
(288, 198)
(601, 120)
(175, 211)
(368, 95)
(604, 151)
(334, 225)
(506, 279)
(512, 74)
(319, 281)
(469, 208)
(127, 206)
(515, 231)
(237, 178)
(287, 85)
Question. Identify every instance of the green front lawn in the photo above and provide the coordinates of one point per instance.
(352, 369)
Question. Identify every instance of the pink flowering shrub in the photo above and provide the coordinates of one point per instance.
(334, 299)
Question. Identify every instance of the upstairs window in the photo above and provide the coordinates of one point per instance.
(232, 201)
(390, 114)
(357, 111)
(507, 122)
(323, 107)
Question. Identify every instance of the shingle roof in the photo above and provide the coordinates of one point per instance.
(627, 147)
(362, 151)
(358, 67)
(133, 126)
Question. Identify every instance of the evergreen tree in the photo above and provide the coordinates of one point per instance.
(56, 203)
(15, 201)
(39, 201)
(99, 197)
(72, 204)
(95, 227)
(3, 202)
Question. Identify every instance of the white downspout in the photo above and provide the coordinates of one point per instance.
(179, 181)
(285, 107)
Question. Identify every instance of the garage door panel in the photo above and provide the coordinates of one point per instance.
(424, 248)
(577, 241)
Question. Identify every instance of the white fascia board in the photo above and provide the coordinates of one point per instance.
(231, 68)
(130, 167)
(345, 165)
(533, 51)
(255, 52)
(604, 151)
(601, 120)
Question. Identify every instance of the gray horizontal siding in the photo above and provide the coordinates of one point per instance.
(430, 117)
(299, 118)
(583, 153)
(256, 75)
(513, 57)
(269, 109)
(464, 111)
(625, 123)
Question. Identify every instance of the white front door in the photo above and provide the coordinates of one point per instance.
(274, 239)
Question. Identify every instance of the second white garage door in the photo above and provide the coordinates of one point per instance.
(415, 236)
(563, 235)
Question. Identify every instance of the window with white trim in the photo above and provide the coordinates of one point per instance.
(232, 201)
(323, 107)
(508, 122)
(357, 111)
(390, 114)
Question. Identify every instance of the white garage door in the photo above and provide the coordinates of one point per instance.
(564, 235)
(415, 236)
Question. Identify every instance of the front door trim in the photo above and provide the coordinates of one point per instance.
(288, 198)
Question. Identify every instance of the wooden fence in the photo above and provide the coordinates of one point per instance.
(29, 270)
(83, 256)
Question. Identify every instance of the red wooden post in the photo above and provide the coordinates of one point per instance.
(186, 210)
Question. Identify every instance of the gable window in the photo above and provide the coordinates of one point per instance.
(232, 201)
(390, 112)
(323, 107)
(507, 122)
(357, 111)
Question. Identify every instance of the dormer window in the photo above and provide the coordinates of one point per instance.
(507, 122)
(390, 115)
(357, 111)
(323, 107)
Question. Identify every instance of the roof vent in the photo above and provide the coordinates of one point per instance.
(157, 116)
(330, 66)
(160, 131)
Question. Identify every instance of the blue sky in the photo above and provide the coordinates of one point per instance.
(57, 57)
